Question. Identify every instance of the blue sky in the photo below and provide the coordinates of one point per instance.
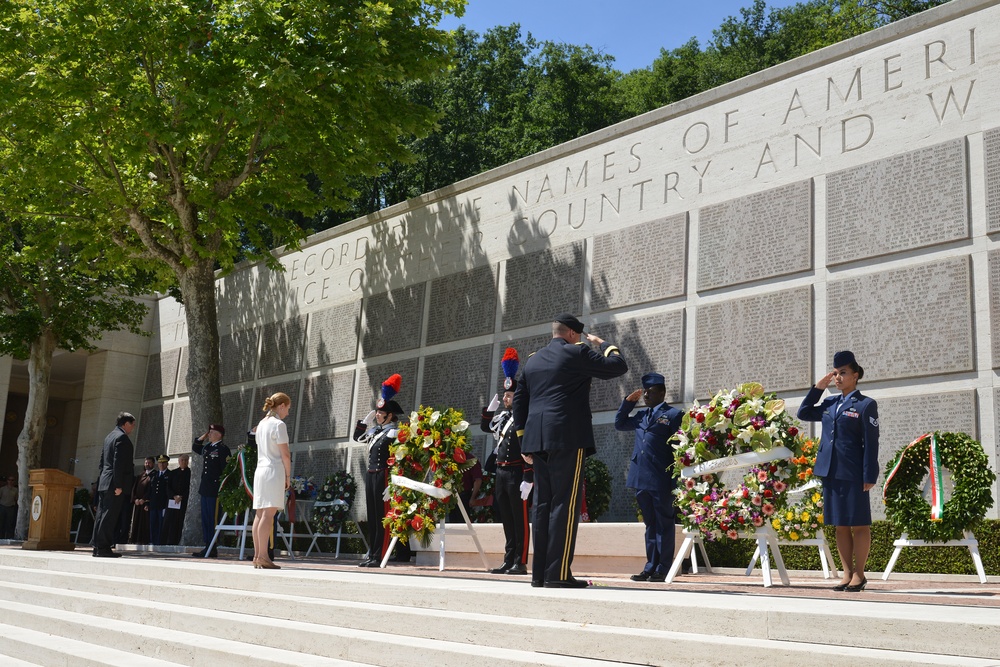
(633, 31)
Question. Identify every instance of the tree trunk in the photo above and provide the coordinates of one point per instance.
(29, 442)
(198, 290)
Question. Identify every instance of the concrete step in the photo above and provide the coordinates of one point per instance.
(365, 617)
(23, 647)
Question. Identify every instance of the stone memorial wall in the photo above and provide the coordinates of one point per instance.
(849, 199)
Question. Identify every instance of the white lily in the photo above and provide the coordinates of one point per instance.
(414, 417)
(746, 434)
(461, 426)
(435, 416)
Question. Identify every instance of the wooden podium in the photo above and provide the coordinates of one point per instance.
(51, 510)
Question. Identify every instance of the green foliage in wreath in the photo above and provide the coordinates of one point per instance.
(484, 513)
(905, 505)
(338, 489)
(233, 496)
(597, 478)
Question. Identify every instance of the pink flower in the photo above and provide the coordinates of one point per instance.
(761, 476)
(780, 486)
(768, 509)
(732, 534)
(757, 521)
(755, 500)
(689, 484)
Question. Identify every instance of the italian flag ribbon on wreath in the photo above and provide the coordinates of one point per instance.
(934, 474)
(241, 466)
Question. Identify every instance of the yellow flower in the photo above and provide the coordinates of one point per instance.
(805, 516)
(819, 518)
(817, 497)
(789, 515)
(776, 524)
(793, 536)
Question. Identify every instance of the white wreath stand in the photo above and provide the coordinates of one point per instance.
(970, 541)
(232, 528)
(825, 555)
(691, 540)
(442, 494)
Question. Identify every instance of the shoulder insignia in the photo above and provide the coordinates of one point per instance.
(579, 342)
(611, 350)
(873, 421)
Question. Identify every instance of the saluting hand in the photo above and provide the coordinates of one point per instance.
(634, 396)
(591, 338)
(825, 381)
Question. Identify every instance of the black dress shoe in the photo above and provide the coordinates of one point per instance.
(537, 584)
(658, 577)
(214, 553)
(860, 587)
(642, 576)
(106, 553)
(517, 568)
(198, 554)
(501, 570)
(373, 563)
(365, 562)
(567, 583)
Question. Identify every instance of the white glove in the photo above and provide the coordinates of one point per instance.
(494, 404)
(526, 490)
(370, 419)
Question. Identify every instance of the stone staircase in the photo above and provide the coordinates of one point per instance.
(74, 610)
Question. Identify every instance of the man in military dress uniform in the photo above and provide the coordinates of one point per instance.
(553, 418)
(651, 471)
(159, 494)
(214, 454)
(379, 431)
(511, 473)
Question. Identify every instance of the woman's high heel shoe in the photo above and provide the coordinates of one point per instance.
(860, 587)
(256, 564)
(842, 586)
(268, 564)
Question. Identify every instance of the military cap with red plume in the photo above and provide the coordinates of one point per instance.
(509, 364)
(389, 389)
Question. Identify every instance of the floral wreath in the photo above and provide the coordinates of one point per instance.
(433, 448)
(333, 503)
(802, 519)
(742, 421)
(938, 521)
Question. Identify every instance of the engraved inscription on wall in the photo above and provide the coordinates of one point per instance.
(903, 419)
(333, 335)
(642, 263)
(161, 374)
(320, 464)
(757, 236)
(370, 386)
(653, 343)
(614, 449)
(991, 141)
(151, 434)
(182, 372)
(540, 285)
(392, 321)
(290, 387)
(766, 338)
(463, 305)
(281, 346)
(238, 356)
(458, 379)
(994, 266)
(904, 323)
(326, 407)
(180, 430)
(238, 415)
(906, 201)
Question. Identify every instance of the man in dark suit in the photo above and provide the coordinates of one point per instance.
(553, 418)
(180, 489)
(651, 471)
(116, 476)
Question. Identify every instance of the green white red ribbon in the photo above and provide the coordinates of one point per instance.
(934, 474)
(244, 482)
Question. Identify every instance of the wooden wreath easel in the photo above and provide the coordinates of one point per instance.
(442, 494)
(970, 541)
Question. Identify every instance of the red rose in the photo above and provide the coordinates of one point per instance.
(459, 455)
(706, 499)
(700, 417)
(447, 431)
(792, 431)
(741, 519)
(432, 505)
(397, 499)
(418, 467)
(391, 460)
(746, 493)
(417, 522)
(434, 465)
(767, 493)
(427, 432)
(774, 468)
(438, 483)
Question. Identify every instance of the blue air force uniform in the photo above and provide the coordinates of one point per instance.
(848, 454)
(552, 414)
(651, 473)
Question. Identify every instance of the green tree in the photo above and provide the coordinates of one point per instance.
(194, 130)
(56, 294)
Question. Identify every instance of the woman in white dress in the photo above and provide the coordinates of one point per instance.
(274, 471)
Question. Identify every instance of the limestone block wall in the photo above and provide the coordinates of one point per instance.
(847, 199)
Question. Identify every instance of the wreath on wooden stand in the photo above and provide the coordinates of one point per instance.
(928, 456)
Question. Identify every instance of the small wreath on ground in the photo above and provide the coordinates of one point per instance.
(740, 421)
(333, 503)
(905, 505)
(434, 449)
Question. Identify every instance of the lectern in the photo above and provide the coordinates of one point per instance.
(51, 510)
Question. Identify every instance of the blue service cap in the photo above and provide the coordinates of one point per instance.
(843, 358)
(652, 380)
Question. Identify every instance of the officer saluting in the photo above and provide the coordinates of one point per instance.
(512, 473)
(379, 431)
(651, 470)
(553, 418)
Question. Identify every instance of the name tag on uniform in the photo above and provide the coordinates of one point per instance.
(852, 413)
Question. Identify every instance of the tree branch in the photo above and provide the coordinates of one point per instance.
(225, 188)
